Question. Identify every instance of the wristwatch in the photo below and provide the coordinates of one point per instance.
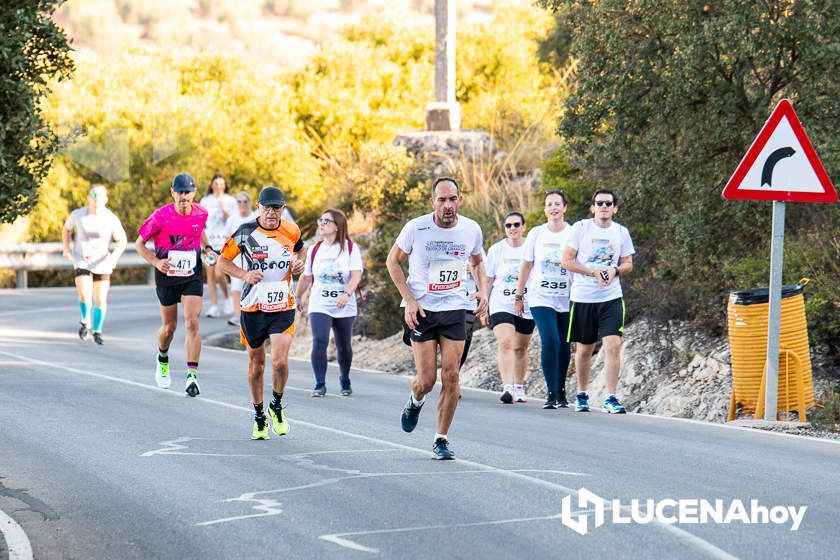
(616, 270)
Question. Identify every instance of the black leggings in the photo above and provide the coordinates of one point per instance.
(342, 328)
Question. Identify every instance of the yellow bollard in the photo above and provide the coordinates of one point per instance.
(747, 321)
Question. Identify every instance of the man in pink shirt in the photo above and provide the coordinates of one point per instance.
(178, 233)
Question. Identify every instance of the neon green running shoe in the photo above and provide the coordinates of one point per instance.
(278, 419)
(162, 375)
(260, 430)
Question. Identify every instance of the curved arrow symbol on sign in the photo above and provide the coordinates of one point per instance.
(771, 161)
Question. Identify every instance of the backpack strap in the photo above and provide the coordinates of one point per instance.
(312, 254)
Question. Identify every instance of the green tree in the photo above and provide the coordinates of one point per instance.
(197, 113)
(33, 52)
(669, 97)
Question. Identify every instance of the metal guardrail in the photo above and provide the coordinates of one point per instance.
(23, 257)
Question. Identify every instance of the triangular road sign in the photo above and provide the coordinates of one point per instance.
(781, 164)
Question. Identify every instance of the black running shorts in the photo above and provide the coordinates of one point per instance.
(520, 324)
(96, 277)
(171, 294)
(590, 321)
(436, 324)
(255, 327)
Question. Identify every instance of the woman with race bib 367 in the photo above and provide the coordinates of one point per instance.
(333, 269)
(512, 331)
(548, 292)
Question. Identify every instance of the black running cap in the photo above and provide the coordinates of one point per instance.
(183, 182)
(272, 196)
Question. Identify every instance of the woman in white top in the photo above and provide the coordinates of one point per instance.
(94, 226)
(334, 269)
(512, 331)
(220, 206)
(548, 286)
(244, 214)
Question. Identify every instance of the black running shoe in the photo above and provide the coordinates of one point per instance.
(550, 401)
(410, 415)
(506, 398)
(97, 338)
(191, 386)
(441, 450)
(561, 399)
(84, 332)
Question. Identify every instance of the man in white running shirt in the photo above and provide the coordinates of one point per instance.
(437, 246)
(598, 251)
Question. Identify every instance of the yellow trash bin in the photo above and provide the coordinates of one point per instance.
(747, 320)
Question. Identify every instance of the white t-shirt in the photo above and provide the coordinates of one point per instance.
(92, 240)
(330, 271)
(437, 261)
(549, 282)
(471, 286)
(216, 226)
(596, 248)
(503, 264)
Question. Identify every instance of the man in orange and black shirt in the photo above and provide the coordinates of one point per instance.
(273, 251)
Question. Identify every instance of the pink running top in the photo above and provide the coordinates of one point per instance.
(173, 231)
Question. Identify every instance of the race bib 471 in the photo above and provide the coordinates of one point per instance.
(181, 263)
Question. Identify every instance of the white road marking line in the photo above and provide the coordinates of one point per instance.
(268, 507)
(339, 538)
(17, 543)
(679, 534)
(353, 475)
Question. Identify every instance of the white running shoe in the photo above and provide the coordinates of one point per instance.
(162, 375)
(213, 311)
(233, 321)
(519, 394)
(228, 307)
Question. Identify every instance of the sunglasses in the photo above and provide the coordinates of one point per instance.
(513, 225)
(325, 221)
(606, 203)
(555, 191)
(273, 207)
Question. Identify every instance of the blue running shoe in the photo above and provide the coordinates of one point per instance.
(441, 450)
(410, 415)
(612, 406)
(582, 404)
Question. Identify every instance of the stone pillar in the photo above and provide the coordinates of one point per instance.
(445, 113)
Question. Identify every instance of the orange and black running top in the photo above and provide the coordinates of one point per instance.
(269, 251)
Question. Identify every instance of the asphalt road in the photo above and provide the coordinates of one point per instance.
(97, 462)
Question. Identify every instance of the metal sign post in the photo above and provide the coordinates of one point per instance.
(780, 165)
(771, 366)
